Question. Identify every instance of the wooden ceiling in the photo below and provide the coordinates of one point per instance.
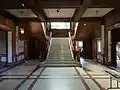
(88, 28)
(92, 28)
(16, 4)
(37, 6)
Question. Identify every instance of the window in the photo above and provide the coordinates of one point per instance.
(99, 46)
(60, 25)
(80, 44)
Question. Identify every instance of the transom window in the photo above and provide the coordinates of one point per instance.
(60, 25)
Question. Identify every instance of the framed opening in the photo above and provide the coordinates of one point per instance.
(60, 25)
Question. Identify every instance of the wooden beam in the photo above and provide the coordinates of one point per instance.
(9, 15)
(105, 3)
(16, 4)
(29, 19)
(59, 19)
(112, 12)
(33, 5)
(10, 4)
(40, 14)
(91, 19)
(80, 11)
(59, 3)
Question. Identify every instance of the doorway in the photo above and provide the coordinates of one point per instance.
(115, 47)
(88, 49)
(3, 48)
(99, 51)
(118, 54)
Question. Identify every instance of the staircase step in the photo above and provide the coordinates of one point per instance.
(60, 65)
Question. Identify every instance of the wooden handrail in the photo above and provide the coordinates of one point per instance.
(5, 28)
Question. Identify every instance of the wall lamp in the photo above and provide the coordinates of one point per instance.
(22, 31)
(84, 24)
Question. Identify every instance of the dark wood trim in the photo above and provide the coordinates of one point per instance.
(40, 14)
(9, 15)
(6, 47)
(11, 66)
(76, 10)
(91, 19)
(29, 19)
(21, 83)
(82, 79)
(36, 79)
(104, 4)
(59, 19)
(78, 13)
(58, 4)
(114, 39)
(3, 27)
(93, 79)
(111, 12)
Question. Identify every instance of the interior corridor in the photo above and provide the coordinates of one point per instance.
(58, 72)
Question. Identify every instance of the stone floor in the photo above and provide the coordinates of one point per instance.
(24, 77)
(36, 76)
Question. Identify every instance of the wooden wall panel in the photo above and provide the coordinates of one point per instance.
(32, 28)
(60, 33)
(91, 29)
(112, 18)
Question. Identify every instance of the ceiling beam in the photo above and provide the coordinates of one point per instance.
(105, 3)
(32, 4)
(9, 15)
(80, 11)
(91, 19)
(112, 12)
(38, 11)
(40, 14)
(111, 15)
(55, 3)
(59, 20)
(29, 19)
(9, 4)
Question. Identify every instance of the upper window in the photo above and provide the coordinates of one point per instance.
(98, 46)
(60, 25)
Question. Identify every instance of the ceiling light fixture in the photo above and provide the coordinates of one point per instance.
(84, 24)
(97, 13)
(23, 5)
(22, 30)
(58, 10)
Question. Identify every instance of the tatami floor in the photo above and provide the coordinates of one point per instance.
(56, 73)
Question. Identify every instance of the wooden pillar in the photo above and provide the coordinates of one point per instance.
(10, 51)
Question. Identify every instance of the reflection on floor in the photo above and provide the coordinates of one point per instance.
(91, 76)
(32, 76)
(24, 77)
(118, 63)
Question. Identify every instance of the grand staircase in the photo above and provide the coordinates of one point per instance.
(60, 54)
